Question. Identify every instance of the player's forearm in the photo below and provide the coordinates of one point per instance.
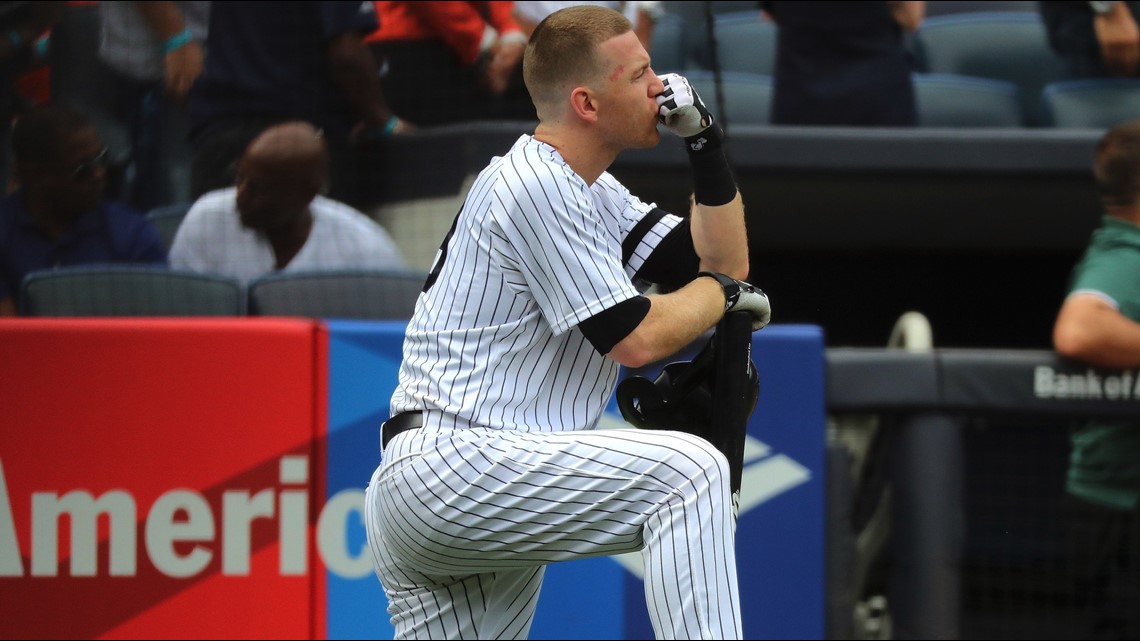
(720, 237)
(674, 321)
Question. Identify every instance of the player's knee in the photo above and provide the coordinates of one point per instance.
(704, 458)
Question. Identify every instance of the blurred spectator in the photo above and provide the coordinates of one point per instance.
(153, 52)
(1099, 324)
(272, 62)
(1096, 39)
(58, 215)
(275, 220)
(643, 15)
(447, 62)
(844, 63)
(22, 24)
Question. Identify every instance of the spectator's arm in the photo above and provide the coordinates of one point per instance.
(183, 58)
(460, 25)
(7, 307)
(354, 71)
(1090, 330)
(507, 52)
(908, 13)
(1119, 39)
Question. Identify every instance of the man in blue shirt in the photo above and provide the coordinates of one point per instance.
(58, 216)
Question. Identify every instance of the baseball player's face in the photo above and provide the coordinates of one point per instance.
(631, 87)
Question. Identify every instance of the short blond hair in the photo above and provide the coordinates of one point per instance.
(562, 51)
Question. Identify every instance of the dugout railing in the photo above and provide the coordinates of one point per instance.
(961, 454)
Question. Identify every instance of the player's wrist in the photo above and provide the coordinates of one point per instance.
(729, 286)
(713, 181)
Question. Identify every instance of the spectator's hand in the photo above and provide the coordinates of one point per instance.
(183, 66)
(1119, 39)
(680, 109)
(502, 60)
(367, 131)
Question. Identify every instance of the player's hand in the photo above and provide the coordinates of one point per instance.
(750, 299)
(680, 109)
(740, 296)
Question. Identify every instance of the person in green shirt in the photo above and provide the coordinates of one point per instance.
(1099, 325)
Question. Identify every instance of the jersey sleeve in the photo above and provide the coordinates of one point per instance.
(1111, 275)
(643, 226)
(565, 251)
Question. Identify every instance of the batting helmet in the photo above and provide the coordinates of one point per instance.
(681, 397)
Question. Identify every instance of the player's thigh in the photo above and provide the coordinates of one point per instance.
(486, 500)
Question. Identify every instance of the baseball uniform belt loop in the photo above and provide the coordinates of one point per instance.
(401, 422)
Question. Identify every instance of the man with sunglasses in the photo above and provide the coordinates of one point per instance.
(58, 216)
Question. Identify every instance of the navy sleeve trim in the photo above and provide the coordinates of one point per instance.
(608, 327)
(674, 262)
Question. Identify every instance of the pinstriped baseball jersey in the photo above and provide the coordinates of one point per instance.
(506, 474)
(534, 251)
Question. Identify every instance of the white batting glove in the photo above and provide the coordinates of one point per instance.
(750, 299)
(740, 296)
(680, 109)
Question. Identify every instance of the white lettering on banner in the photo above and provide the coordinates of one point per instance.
(184, 516)
(1048, 383)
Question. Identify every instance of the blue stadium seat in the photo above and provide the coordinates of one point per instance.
(167, 219)
(342, 293)
(946, 100)
(1002, 45)
(944, 7)
(1094, 103)
(747, 96)
(668, 49)
(745, 42)
(693, 16)
(129, 290)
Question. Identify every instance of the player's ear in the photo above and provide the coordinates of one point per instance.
(584, 104)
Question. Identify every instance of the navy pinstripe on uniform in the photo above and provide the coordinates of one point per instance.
(507, 474)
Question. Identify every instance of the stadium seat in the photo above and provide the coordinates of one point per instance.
(1002, 45)
(129, 290)
(945, 100)
(167, 219)
(693, 17)
(668, 49)
(358, 294)
(1095, 103)
(745, 42)
(944, 7)
(747, 96)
